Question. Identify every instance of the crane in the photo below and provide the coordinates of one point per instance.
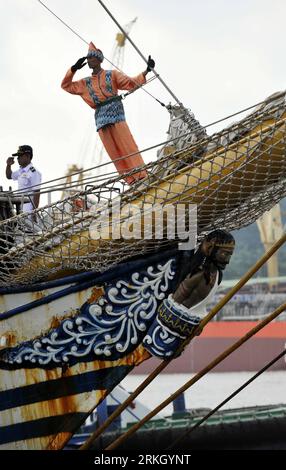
(271, 229)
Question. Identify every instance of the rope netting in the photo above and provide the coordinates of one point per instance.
(233, 177)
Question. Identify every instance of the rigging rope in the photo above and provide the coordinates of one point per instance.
(197, 377)
(63, 22)
(233, 177)
(69, 186)
(204, 322)
(166, 142)
(236, 392)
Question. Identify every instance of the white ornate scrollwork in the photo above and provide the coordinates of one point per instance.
(161, 343)
(109, 328)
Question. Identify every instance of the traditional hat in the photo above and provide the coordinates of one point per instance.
(94, 52)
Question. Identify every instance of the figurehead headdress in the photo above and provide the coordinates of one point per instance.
(221, 238)
(94, 52)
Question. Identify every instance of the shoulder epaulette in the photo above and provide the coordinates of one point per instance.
(32, 169)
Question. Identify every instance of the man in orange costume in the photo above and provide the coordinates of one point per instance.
(100, 92)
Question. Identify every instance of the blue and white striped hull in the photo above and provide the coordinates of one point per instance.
(42, 409)
(64, 345)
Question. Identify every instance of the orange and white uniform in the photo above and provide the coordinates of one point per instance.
(100, 92)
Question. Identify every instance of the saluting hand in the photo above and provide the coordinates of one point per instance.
(10, 161)
(79, 64)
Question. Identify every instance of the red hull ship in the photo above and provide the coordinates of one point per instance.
(219, 335)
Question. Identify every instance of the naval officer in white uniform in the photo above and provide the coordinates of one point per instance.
(27, 176)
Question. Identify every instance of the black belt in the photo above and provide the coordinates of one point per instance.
(109, 100)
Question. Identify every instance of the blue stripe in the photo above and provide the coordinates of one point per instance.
(47, 299)
(108, 82)
(116, 272)
(102, 379)
(41, 427)
(91, 91)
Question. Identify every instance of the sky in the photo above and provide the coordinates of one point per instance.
(217, 56)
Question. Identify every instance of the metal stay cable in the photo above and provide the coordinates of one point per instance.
(141, 55)
(138, 85)
(165, 363)
(236, 392)
(198, 376)
(116, 179)
(88, 181)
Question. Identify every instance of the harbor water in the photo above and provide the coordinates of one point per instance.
(209, 391)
